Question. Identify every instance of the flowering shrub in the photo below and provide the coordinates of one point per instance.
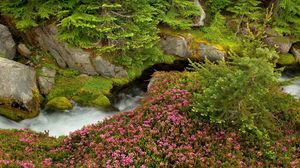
(159, 133)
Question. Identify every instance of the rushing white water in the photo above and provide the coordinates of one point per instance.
(62, 123)
(293, 88)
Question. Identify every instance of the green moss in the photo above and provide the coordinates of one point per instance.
(119, 81)
(102, 101)
(18, 114)
(59, 103)
(286, 59)
(41, 58)
(15, 114)
(134, 73)
(69, 73)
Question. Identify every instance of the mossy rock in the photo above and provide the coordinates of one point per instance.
(102, 101)
(17, 114)
(16, 111)
(286, 59)
(82, 89)
(59, 103)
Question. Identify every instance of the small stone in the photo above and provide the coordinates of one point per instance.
(175, 45)
(210, 52)
(105, 68)
(282, 44)
(23, 50)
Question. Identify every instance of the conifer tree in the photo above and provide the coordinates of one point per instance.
(287, 17)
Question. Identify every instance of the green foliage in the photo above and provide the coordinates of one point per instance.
(287, 17)
(215, 6)
(123, 28)
(243, 93)
(245, 9)
(217, 32)
(256, 49)
(178, 13)
(28, 13)
(115, 26)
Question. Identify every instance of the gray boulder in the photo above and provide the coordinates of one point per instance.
(46, 80)
(296, 51)
(7, 44)
(175, 45)
(107, 69)
(282, 44)
(19, 95)
(210, 52)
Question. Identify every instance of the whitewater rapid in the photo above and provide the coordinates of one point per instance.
(293, 89)
(64, 122)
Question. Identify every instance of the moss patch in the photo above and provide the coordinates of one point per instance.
(16, 114)
(82, 89)
(15, 111)
(102, 101)
(286, 59)
(59, 103)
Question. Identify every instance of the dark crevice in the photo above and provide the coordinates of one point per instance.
(18, 106)
(142, 82)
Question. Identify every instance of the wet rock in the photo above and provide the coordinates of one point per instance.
(19, 95)
(7, 44)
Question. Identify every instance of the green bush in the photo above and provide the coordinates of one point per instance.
(256, 49)
(244, 93)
